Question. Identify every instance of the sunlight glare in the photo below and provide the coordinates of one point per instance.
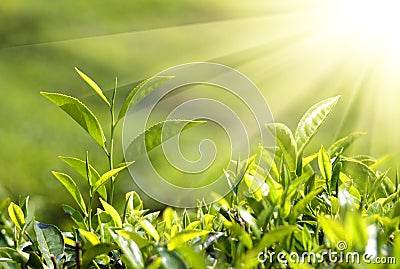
(371, 24)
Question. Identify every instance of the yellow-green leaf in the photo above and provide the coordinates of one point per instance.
(140, 91)
(185, 236)
(72, 188)
(80, 167)
(343, 143)
(139, 240)
(80, 113)
(113, 213)
(149, 228)
(312, 120)
(156, 135)
(17, 215)
(93, 85)
(324, 163)
(286, 142)
(108, 175)
(90, 237)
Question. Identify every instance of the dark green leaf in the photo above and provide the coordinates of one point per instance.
(50, 241)
(34, 261)
(133, 256)
(80, 113)
(171, 259)
(75, 215)
(14, 255)
(95, 251)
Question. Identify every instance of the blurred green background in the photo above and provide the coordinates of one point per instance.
(292, 51)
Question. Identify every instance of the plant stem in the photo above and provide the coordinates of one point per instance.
(78, 255)
(111, 149)
(90, 211)
(54, 261)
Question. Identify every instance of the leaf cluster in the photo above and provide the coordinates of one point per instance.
(291, 203)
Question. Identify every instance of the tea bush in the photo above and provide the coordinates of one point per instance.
(322, 203)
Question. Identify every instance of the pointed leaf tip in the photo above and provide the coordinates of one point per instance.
(312, 120)
(93, 85)
(80, 113)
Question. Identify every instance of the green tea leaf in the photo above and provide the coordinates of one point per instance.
(325, 166)
(276, 235)
(15, 256)
(107, 176)
(362, 175)
(312, 121)
(80, 167)
(72, 188)
(243, 236)
(80, 113)
(149, 228)
(249, 219)
(89, 236)
(269, 238)
(168, 216)
(50, 241)
(16, 215)
(184, 236)
(139, 240)
(139, 92)
(35, 262)
(75, 215)
(302, 204)
(113, 213)
(270, 161)
(133, 201)
(171, 259)
(343, 143)
(194, 258)
(94, 251)
(133, 256)
(156, 264)
(156, 135)
(286, 143)
(333, 229)
(93, 85)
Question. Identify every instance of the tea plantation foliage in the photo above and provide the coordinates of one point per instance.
(326, 201)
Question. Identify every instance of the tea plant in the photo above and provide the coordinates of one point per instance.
(297, 204)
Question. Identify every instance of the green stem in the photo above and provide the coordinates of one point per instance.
(111, 148)
(90, 211)
(111, 164)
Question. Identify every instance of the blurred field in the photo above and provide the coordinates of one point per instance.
(283, 48)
